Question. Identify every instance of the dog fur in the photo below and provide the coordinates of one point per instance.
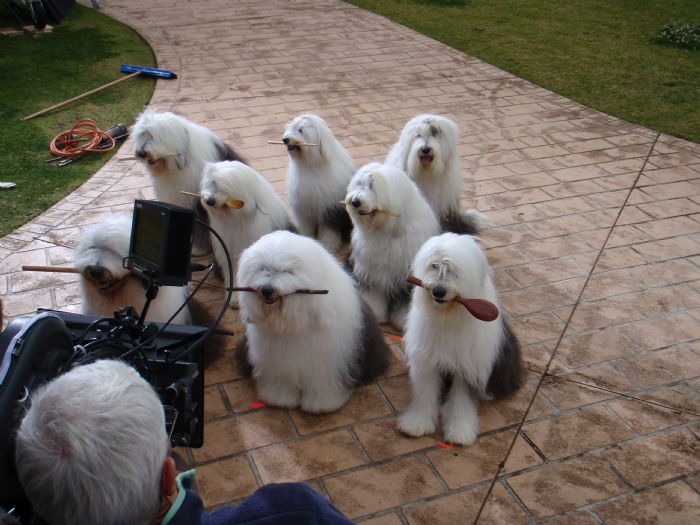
(383, 247)
(105, 285)
(174, 150)
(448, 349)
(263, 211)
(305, 350)
(427, 152)
(316, 181)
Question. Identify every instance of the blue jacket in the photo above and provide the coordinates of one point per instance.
(275, 504)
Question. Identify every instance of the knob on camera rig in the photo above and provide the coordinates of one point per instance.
(35, 349)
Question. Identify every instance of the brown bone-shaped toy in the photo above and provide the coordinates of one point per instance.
(480, 308)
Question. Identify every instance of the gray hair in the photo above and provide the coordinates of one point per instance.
(91, 447)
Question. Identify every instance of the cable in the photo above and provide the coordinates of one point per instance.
(82, 138)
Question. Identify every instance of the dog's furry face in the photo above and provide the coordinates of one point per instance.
(371, 190)
(226, 180)
(451, 266)
(161, 138)
(277, 265)
(429, 143)
(101, 251)
(307, 129)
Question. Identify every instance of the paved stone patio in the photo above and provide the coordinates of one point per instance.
(595, 244)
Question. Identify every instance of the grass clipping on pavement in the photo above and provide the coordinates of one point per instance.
(39, 70)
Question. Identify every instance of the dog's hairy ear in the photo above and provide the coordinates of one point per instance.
(183, 157)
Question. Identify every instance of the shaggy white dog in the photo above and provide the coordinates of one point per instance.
(449, 350)
(175, 151)
(306, 350)
(242, 207)
(427, 151)
(316, 180)
(392, 220)
(105, 285)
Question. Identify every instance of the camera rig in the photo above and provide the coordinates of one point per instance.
(35, 349)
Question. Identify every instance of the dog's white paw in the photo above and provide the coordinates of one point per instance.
(321, 403)
(461, 433)
(416, 423)
(279, 395)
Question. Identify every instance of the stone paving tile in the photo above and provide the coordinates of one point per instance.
(225, 481)
(551, 176)
(463, 506)
(667, 505)
(461, 466)
(387, 519)
(665, 456)
(382, 487)
(561, 487)
(594, 347)
(308, 459)
(567, 391)
(645, 418)
(576, 432)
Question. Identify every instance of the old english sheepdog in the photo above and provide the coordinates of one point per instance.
(392, 220)
(427, 151)
(175, 150)
(316, 180)
(453, 356)
(105, 285)
(242, 207)
(305, 349)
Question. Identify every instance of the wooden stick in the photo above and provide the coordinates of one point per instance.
(88, 93)
(257, 290)
(231, 203)
(163, 156)
(480, 308)
(296, 144)
(386, 212)
(54, 269)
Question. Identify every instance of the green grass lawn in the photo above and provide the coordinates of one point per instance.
(80, 54)
(600, 53)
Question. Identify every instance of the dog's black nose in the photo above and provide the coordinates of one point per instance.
(210, 201)
(285, 140)
(267, 291)
(140, 154)
(425, 150)
(96, 272)
(356, 202)
(439, 292)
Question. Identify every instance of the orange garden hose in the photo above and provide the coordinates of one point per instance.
(82, 138)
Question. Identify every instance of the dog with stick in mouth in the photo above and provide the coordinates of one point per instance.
(392, 220)
(320, 169)
(427, 151)
(310, 337)
(105, 285)
(242, 207)
(175, 151)
(458, 346)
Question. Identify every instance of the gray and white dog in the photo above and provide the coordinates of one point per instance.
(305, 350)
(175, 151)
(427, 151)
(316, 181)
(392, 220)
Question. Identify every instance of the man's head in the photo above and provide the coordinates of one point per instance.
(92, 446)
